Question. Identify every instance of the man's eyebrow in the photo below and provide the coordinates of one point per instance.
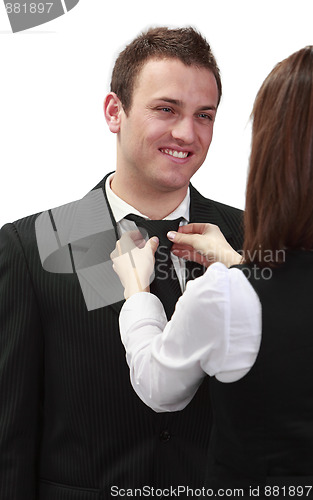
(170, 101)
(177, 102)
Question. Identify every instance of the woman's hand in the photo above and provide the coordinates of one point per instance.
(133, 261)
(203, 243)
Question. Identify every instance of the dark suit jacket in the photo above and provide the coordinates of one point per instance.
(71, 427)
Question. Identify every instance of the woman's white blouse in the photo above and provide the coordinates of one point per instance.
(215, 330)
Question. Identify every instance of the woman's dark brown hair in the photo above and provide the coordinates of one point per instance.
(279, 199)
(185, 44)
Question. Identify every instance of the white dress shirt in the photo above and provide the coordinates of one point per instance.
(215, 330)
(121, 209)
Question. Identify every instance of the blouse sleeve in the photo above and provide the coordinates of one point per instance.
(168, 360)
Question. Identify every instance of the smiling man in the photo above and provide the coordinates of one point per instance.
(72, 428)
(164, 137)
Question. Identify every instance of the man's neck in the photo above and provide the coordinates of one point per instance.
(155, 205)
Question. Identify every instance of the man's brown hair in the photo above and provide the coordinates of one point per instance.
(185, 44)
(279, 200)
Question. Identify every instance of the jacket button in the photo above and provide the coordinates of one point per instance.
(165, 436)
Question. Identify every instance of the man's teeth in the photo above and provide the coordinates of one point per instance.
(177, 154)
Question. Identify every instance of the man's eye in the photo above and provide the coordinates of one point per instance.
(205, 116)
(166, 110)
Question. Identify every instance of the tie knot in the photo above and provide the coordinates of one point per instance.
(158, 228)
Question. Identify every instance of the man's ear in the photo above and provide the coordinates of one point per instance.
(112, 111)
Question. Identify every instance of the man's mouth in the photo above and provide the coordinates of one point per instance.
(176, 154)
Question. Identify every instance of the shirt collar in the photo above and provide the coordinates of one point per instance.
(120, 208)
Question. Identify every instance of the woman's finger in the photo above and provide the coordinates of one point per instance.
(194, 228)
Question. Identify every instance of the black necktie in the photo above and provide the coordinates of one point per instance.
(165, 284)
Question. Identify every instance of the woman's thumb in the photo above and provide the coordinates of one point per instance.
(154, 243)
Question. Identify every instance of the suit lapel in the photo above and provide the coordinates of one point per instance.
(117, 306)
(204, 210)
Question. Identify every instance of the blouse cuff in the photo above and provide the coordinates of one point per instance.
(142, 306)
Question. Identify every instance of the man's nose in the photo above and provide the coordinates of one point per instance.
(184, 130)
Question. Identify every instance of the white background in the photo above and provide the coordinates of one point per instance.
(55, 145)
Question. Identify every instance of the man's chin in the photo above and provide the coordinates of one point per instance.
(172, 182)
(172, 186)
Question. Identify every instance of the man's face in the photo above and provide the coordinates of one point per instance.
(165, 136)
